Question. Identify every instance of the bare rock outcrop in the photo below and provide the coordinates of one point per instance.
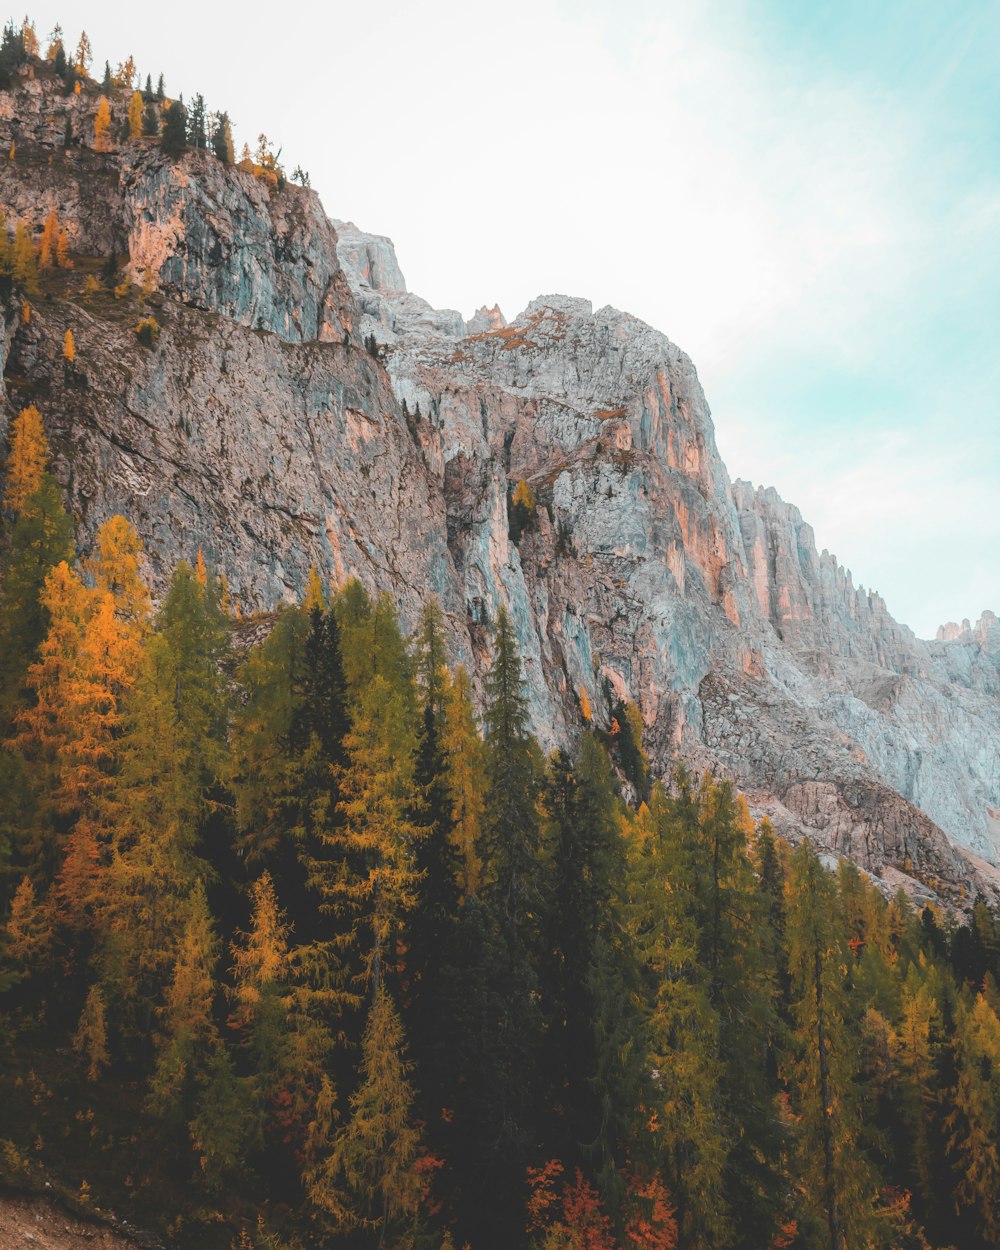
(302, 406)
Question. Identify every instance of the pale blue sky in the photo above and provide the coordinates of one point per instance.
(805, 196)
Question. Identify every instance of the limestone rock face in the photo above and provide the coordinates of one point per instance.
(302, 406)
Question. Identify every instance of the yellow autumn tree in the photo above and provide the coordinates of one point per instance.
(84, 54)
(29, 454)
(365, 1174)
(30, 37)
(115, 568)
(524, 495)
(69, 347)
(972, 1124)
(29, 931)
(189, 1036)
(585, 710)
(62, 250)
(25, 260)
(55, 43)
(102, 126)
(135, 109)
(260, 957)
(125, 73)
(49, 241)
(91, 1037)
(43, 728)
(314, 596)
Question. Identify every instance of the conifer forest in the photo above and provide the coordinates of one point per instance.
(305, 941)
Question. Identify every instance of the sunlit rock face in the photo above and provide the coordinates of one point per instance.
(303, 407)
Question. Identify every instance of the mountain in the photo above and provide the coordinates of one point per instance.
(301, 406)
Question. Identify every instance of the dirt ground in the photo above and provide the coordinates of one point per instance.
(37, 1224)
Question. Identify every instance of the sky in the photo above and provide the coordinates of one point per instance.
(805, 197)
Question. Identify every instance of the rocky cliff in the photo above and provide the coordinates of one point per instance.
(301, 406)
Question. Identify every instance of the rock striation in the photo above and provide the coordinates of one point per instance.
(302, 406)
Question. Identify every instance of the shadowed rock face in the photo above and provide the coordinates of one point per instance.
(261, 430)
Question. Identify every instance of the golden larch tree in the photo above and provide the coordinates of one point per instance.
(49, 241)
(135, 109)
(84, 54)
(260, 957)
(69, 347)
(25, 260)
(91, 1037)
(102, 126)
(29, 454)
(30, 37)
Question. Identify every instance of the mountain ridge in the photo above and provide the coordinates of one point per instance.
(262, 430)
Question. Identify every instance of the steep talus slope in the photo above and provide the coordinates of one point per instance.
(261, 429)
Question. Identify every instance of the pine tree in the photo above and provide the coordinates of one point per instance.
(510, 828)
(41, 536)
(174, 141)
(435, 857)
(594, 1055)
(465, 762)
(222, 139)
(107, 84)
(197, 133)
(501, 1093)
(838, 1186)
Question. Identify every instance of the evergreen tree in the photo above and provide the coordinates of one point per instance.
(41, 536)
(510, 828)
(222, 138)
(175, 133)
(197, 132)
(510, 853)
(465, 762)
(838, 1185)
(594, 1054)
